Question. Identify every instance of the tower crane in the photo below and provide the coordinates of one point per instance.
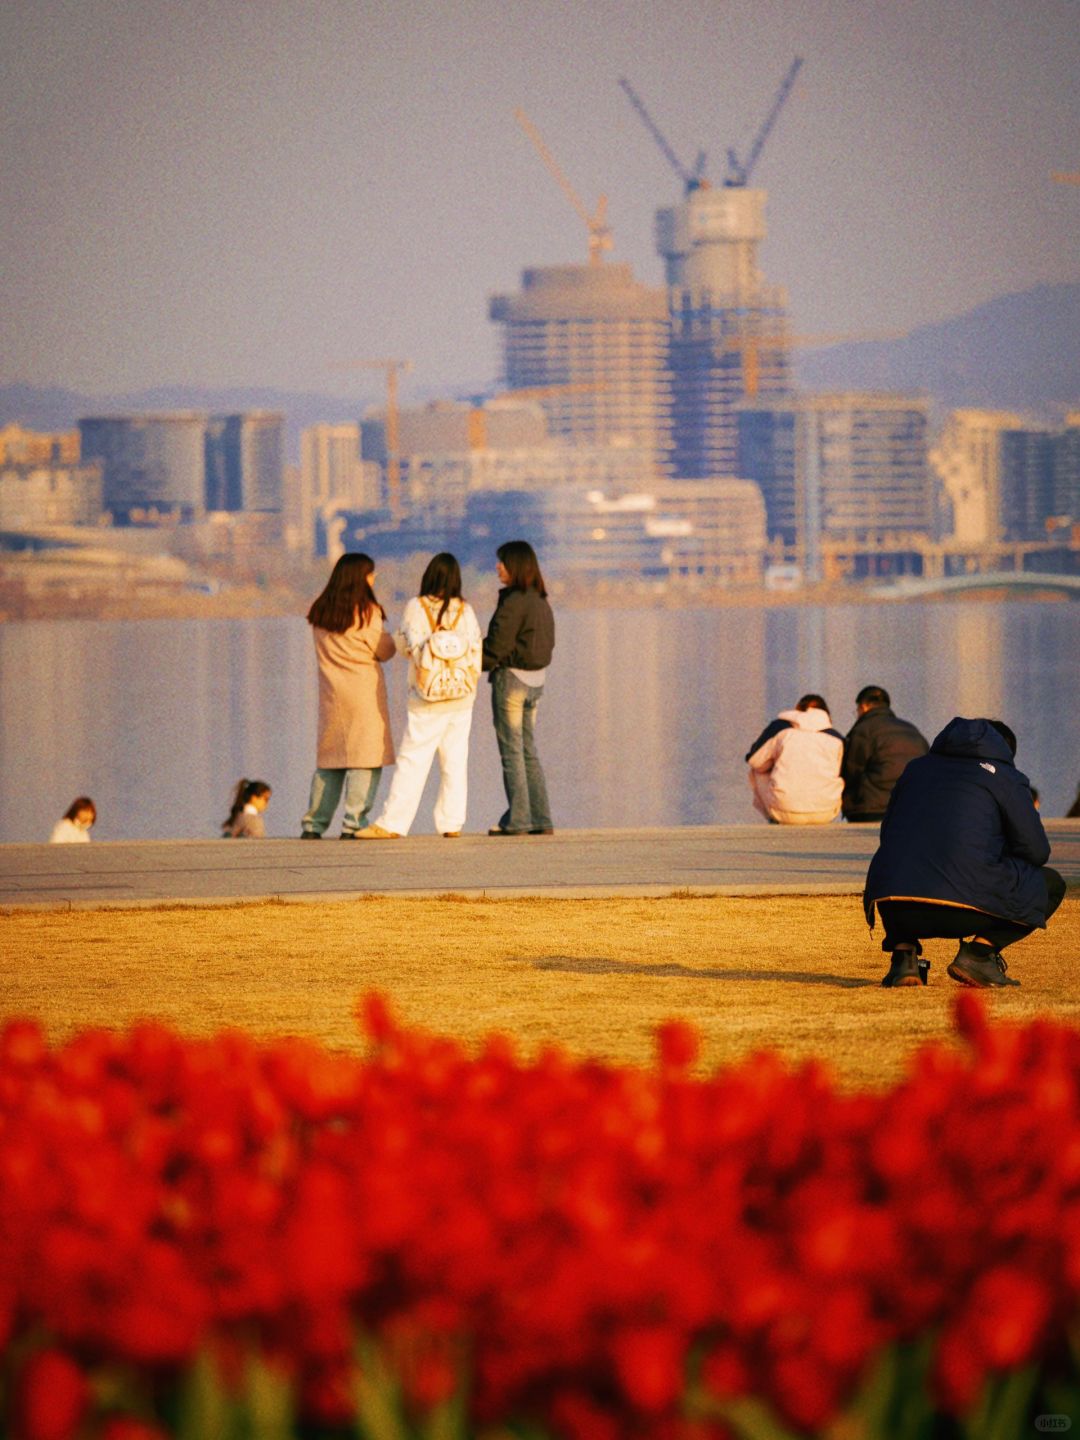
(596, 223)
(391, 368)
(739, 174)
(692, 179)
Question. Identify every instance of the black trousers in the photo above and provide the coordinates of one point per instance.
(907, 922)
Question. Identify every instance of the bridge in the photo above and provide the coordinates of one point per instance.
(915, 587)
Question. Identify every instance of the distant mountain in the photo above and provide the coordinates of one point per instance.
(1018, 352)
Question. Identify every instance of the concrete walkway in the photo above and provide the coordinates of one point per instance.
(707, 860)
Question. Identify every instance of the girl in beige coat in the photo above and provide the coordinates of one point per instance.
(354, 742)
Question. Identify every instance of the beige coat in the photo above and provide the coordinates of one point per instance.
(354, 721)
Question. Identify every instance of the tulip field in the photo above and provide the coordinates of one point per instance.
(228, 1238)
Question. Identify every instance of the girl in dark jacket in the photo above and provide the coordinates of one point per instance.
(517, 652)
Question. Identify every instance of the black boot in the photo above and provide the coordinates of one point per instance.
(979, 965)
(903, 968)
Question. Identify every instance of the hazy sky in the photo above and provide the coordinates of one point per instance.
(240, 192)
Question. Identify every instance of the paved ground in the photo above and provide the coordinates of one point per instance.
(720, 860)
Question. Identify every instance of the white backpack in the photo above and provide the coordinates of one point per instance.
(442, 664)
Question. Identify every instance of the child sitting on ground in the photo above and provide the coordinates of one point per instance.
(245, 821)
(77, 821)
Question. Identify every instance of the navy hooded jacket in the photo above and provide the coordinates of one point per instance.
(962, 828)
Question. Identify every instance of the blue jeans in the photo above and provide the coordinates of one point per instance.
(514, 705)
(360, 787)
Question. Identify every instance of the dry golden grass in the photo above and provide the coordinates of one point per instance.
(799, 974)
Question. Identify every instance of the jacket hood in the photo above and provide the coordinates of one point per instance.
(972, 739)
(807, 719)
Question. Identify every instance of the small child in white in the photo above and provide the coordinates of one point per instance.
(245, 821)
(74, 828)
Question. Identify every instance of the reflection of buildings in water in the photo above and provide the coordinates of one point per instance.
(722, 668)
(965, 661)
(796, 640)
(622, 758)
(879, 645)
(648, 716)
(50, 696)
(269, 718)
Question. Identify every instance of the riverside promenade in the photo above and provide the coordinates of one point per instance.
(749, 860)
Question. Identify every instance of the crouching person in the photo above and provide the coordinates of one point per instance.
(962, 857)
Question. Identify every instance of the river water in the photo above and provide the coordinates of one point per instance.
(645, 719)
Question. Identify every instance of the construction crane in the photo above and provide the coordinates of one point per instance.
(751, 346)
(692, 179)
(477, 424)
(391, 368)
(738, 172)
(596, 224)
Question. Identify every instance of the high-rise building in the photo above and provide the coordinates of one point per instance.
(1065, 495)
(849, 468)
(19, 446)
(244, 461)
(332, 473)
(454, 427)
(967, 459)
(1007, 480)
(153, 466)
(1027, 483)
(728, 328)
(49, 493)
(594, 339)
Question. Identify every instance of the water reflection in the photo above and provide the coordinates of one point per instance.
(645, 721)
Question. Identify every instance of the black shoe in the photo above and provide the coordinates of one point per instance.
(903, 968)
(542, 830)
(498, 830)
(924, 969)
(979, 965)
(310, 835)
(347, 835)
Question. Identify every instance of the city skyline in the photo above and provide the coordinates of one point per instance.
(243, 195)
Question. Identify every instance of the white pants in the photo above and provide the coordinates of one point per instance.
(765, 801)
(431, 729)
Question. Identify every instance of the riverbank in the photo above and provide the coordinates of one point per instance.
(34, 595)
(795, 974)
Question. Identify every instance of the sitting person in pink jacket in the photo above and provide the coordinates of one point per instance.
(795, 766)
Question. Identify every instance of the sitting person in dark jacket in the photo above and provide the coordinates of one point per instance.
(962, 857)
(877, 748)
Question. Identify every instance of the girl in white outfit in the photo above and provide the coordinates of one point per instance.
(440, 635)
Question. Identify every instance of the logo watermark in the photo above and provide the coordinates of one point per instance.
(1053, 1424)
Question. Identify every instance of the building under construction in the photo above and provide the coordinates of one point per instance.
(728, 329)
(595, 340)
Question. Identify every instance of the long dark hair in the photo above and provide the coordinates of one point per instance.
(81, 802)
(245, 790)
(442, 578)
(348, 596)
(519, 559)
